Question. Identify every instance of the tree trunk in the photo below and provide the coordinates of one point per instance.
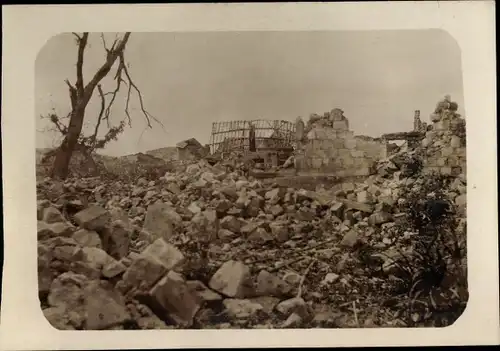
(65, 151)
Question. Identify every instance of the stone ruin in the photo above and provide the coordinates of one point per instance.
(325, 145)
(445, 140)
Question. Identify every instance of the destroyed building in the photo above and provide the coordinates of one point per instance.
(191, 149)
(269, 142)
(326, 146)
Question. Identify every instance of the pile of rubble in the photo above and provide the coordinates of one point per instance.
(204, 247)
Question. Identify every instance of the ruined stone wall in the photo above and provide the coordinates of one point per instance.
(445, 144)
(329, 147)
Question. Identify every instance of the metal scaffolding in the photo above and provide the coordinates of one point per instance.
(235, 135)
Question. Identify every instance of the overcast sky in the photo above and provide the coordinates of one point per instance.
(189, 80)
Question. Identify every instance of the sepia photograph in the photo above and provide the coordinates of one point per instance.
(249, 175)
(251, 180)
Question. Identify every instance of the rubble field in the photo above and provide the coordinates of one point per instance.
(203, 248)
(197, 245)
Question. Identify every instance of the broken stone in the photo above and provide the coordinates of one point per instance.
(294, 305)
(41, 205)
(231, 223)
(171, 299)
(337, 209)
(250, 227)
(92, 218)
(270, 285)
(364, 197)
(198, 288)
(46, 231)
(279, 231)
(293, 321)
(350, 239)
(66, 291)
(379, 218)
(330, 278)
(276, 210)
(87, 238)
(260, 235)
(113, 269)
(357, 206)
(241, 309)
(116, 239)
(232, 280)
(161, 220)
(151, 264)
(52, 215)
(105, 308)
(59, 318)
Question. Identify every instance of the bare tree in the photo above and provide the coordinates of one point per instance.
(80, 95)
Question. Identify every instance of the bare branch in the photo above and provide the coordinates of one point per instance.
(104, 42)
(148, 116)
(105, 68)
(99, 118)
(77, 36)
(72, 94)
(82, 43)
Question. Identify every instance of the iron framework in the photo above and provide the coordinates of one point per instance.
(269, 135)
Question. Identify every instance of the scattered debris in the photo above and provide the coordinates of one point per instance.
(208, 245)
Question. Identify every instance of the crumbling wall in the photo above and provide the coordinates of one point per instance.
(327, 146)
(445, 143)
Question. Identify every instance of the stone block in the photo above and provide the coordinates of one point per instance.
(350, 144)
(357, 153)
(232, 279)
(172, 299)
(347, 161)
(455, 141)
(446, 151)
(316, 162)
(270, 285)
(446, 170)
(152, 263)
(93, 218)
(87, 238)
(338, 143)
(340, 125)
(116, 239)
(161, 220)
(461, 152)
(441, 162)
(344, 153)
(52, 215)
(452, 161)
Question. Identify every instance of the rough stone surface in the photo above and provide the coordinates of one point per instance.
(93, 218)
(232, 280)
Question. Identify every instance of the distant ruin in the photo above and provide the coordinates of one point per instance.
(273, 141)
(326, 146)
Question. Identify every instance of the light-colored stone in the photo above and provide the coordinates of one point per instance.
(172, 299)
(232, 280)
(116, 239)
(294, 305)
(279, 231)
(151, 264)
(350, 239)
(93, 218)
(270, 285)
(47, 231)
(52, 215)
(161, 220)
(198, 288)
(105, 308)
(241, 308)
(87, 238)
